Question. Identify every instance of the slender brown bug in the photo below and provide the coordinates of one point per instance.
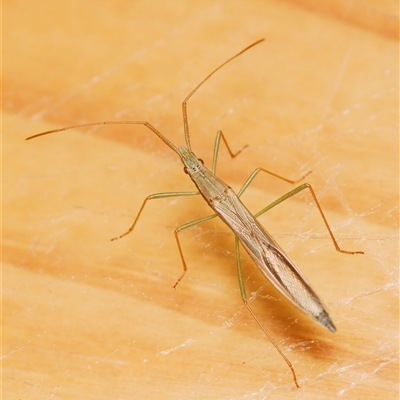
(272, 261)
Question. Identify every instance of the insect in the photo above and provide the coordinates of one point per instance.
(272, 261)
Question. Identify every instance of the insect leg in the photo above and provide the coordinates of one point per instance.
(246, 303)
(297, 190)
(152, 197)
(181, 228)
(256, 171)
(177, 230)
(290, 194)
(216, 149)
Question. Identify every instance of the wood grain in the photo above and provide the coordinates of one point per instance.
(84, 317)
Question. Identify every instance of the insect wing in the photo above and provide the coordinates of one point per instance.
(272, 261)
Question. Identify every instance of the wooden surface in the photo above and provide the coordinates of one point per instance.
(84, 317)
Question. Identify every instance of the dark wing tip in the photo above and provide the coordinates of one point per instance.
(325, 320)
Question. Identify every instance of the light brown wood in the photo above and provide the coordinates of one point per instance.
(84, 317)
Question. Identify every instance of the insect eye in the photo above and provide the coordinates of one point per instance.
(185, 170)
(201, 161)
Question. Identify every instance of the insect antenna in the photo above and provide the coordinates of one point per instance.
(146, 124)
(184, 105)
